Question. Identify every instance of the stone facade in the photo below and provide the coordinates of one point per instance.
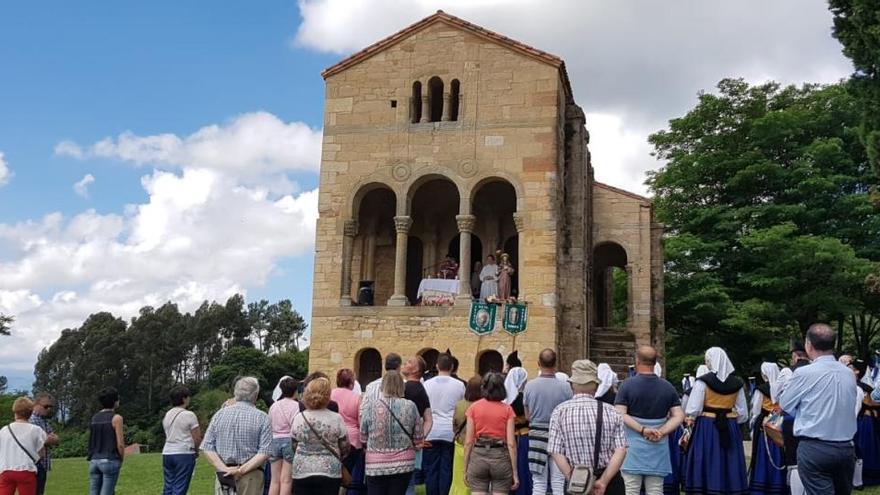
(501, 163)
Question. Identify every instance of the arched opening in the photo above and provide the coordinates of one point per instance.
(414, 262)
(374, 246)
(416, 102)
(493, 206)
(433, 208)
(368, 366)
(490, 361)
(430, 356)
(611, 293)
(454, 99)
(476, 252)
(435, 94)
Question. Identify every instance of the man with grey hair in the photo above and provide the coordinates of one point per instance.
(238, 442)
(822, 397)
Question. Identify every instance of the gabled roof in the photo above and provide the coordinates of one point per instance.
(451, 20)
(622, 191)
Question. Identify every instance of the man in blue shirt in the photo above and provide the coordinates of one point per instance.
(822, 398)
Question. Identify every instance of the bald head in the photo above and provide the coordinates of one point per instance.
(547, 359)
(820, 339)
(646, 356)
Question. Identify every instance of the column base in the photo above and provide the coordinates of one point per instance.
(398, 300)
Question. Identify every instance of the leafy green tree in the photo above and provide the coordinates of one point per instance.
(766, 197)
(257, 315)
(285, 326)
(857, 27)
(237, 329)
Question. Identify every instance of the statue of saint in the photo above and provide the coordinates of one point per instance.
(505, 271)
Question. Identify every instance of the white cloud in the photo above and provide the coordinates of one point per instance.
(641, 61)
(250, 145)
(5, 173)
(82, 186)
(204, 232)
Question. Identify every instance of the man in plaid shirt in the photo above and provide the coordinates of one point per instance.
(44, 408)
(239, 439)
(573, 432)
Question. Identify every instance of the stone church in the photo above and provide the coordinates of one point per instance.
(447, 139)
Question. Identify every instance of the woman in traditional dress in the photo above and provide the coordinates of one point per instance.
(767, 473)
(715, 463)
(514, 383)
(489, 279)
(867, 442)
(607, 390)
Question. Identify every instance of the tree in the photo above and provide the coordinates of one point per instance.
(285, 326)
(766, 197)
(857, 27)
(6, 324)
(257, 315)
(4, 382)
(236, 330)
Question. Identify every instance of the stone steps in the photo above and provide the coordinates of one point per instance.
(614, 346)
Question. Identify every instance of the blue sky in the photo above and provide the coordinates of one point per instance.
(194, 129)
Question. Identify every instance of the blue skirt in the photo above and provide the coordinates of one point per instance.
(711, 470)
(868, 449)
(672, 482)
(764, 479)
(522, 466)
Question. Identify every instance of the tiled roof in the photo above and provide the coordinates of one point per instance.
(441, 16)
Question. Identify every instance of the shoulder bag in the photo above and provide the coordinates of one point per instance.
(408, 434)
(346, 474)
(26, 451)
(583, 477)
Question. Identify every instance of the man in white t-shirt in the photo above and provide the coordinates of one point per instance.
(182, 438)
(444, 392)
(20, 444)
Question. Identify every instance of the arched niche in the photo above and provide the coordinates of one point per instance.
(373, 255)
(434, 204)
(611, 286)
(367, 365)
(493, 206)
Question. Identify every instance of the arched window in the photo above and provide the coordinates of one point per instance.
(435, 93)
(611, 286)
(454, 99)
(416, 103)
(368, 365)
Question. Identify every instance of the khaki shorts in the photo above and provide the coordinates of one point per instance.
(490, 466)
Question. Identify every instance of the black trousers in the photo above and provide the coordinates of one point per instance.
(317, 485)
(392, 484)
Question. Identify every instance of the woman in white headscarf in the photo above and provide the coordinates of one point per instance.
(514, 384)
(715, 462)
(606, 392)
(765, 477)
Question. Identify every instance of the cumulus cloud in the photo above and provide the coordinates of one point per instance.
(639, 60)
(204, 232)
(250, 145)
(81, 187)
(5, 173)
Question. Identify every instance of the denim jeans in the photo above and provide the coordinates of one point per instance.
(437, 466)
(826, 467)
(178, 470)
(42, 474)
(103, 474)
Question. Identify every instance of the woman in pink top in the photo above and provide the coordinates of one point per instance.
(281, 416)
(349, 405)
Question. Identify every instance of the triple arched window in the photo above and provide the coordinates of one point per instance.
(436, 103)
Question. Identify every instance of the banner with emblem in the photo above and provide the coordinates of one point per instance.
(516, 318)
(482, 319)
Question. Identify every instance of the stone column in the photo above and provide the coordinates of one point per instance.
(630, 295)
(519, 221)
(426, 109)
(401, 225)
(370, 256)
(465, 230)
(608, 288)
(349, 231)
(447, 107)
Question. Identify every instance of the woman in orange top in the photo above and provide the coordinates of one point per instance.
(490, 431)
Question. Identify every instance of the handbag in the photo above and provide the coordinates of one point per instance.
(582, 476)
(346, 474)
(772, 426)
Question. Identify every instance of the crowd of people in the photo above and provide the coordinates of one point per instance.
(504, 433)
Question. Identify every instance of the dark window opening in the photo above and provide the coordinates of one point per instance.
(454, 99)
(393, 103)
(416, 102)
(435, 93)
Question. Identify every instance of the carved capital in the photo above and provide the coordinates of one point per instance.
(350, 228)
(519, 221)
(402, 224)
(466, 223)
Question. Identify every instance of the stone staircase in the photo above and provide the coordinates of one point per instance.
(615, 346)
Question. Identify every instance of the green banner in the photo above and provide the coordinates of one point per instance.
(483, 318)
(516, 318)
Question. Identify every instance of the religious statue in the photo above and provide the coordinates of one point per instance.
(505, 271)
(489, 279)
(448, 268)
